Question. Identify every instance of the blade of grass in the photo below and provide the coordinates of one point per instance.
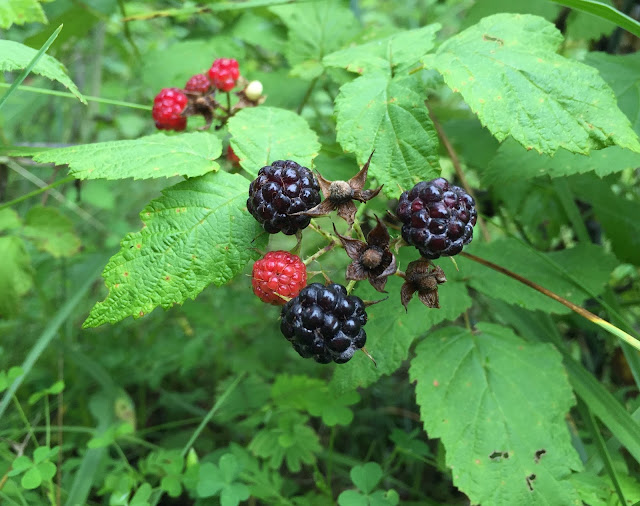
(50, 332)
(592, 427)
(605, 12)
(29, 67)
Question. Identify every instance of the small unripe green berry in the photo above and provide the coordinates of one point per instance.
(253, 91)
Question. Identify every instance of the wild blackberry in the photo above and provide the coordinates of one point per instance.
(281, 189)
(224, 73)
(325, 323)
(437, 218)
(167, 108)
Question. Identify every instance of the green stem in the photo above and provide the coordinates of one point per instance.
(319, 253)
(36, 192)
(307, 95)
(12, 87)
(358, 229)
(25, 420)
(565, 196)
(99, 100)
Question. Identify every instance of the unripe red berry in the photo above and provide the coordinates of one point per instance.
(232, 157)
(199, 83)
(167, 107)
(224, 73)
(278, 273)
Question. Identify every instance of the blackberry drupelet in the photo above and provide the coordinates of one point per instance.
(437, 217)
(325, 323)
(281, 189)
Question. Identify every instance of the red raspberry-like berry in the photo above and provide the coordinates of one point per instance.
(224, 73)
(232, 157)
(199, 83)
(167, 106)
(278, 273)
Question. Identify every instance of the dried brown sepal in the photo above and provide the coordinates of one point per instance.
(203, 105)
(423, 277)
(339, 195)
(371, 260)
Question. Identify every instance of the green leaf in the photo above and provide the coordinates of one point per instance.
(15, 274)
(315, 30)
(390, 54)
(483, 8)
(622, 73)
(367, 476)
(234, 494)
(291, 440)
(262, 135)
(171, 485)
(389, 115)
(154, 156)
(352, 498)
(197, 233)
(615, 213)
(229, 467)
(14, 56)
(54, 389)
(315, 397)
(514, 163)
(52, 231)
(209, 483)
(470, 388)
(9, 219)
(142, 495)
(31, 479)
(507, 70)
(391, 330)
(539, 268)
(20, 12)
(47, 470)
(20, 464)
(583, 25)
(43, 453)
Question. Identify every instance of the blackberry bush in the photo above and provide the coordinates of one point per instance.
(437, 218)
(325, 323)
(281, 190)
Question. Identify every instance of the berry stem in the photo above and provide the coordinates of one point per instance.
(319, 253)
(456, 165)
(358, 229)
(229, 107)
(316, 228)
(588, 315)
(350, 286)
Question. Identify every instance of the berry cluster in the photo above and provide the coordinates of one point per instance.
(172, 106)
(326, 322)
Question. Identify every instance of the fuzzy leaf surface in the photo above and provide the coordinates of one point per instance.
(15, 274)
(20, 12)
(622, 73)
(262, 135)
(16, 56)
(522, 260)
(396, 52)
(315, 30)
(197, 233)
(389, 115)
(153, 156)
(507, 70)
(514, 163)
(470, 388)
(391, 330)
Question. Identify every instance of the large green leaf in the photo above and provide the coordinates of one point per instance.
(315, 30)
(262, 135)
(550, 270)
(15, 274)
(391, 330)
(616, 214)
(197, 233)
(390, 54)
(507, 70)
(157, 155)
(52, 231)
(498, 404)
(390, 116)
(14, 56)
(20, 12)
(514, 163)
(622, 73)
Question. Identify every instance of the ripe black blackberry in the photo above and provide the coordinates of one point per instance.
(281, 189)
(437, 217)
(325, 323)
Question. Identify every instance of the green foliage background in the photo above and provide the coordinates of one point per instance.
(500, 397)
